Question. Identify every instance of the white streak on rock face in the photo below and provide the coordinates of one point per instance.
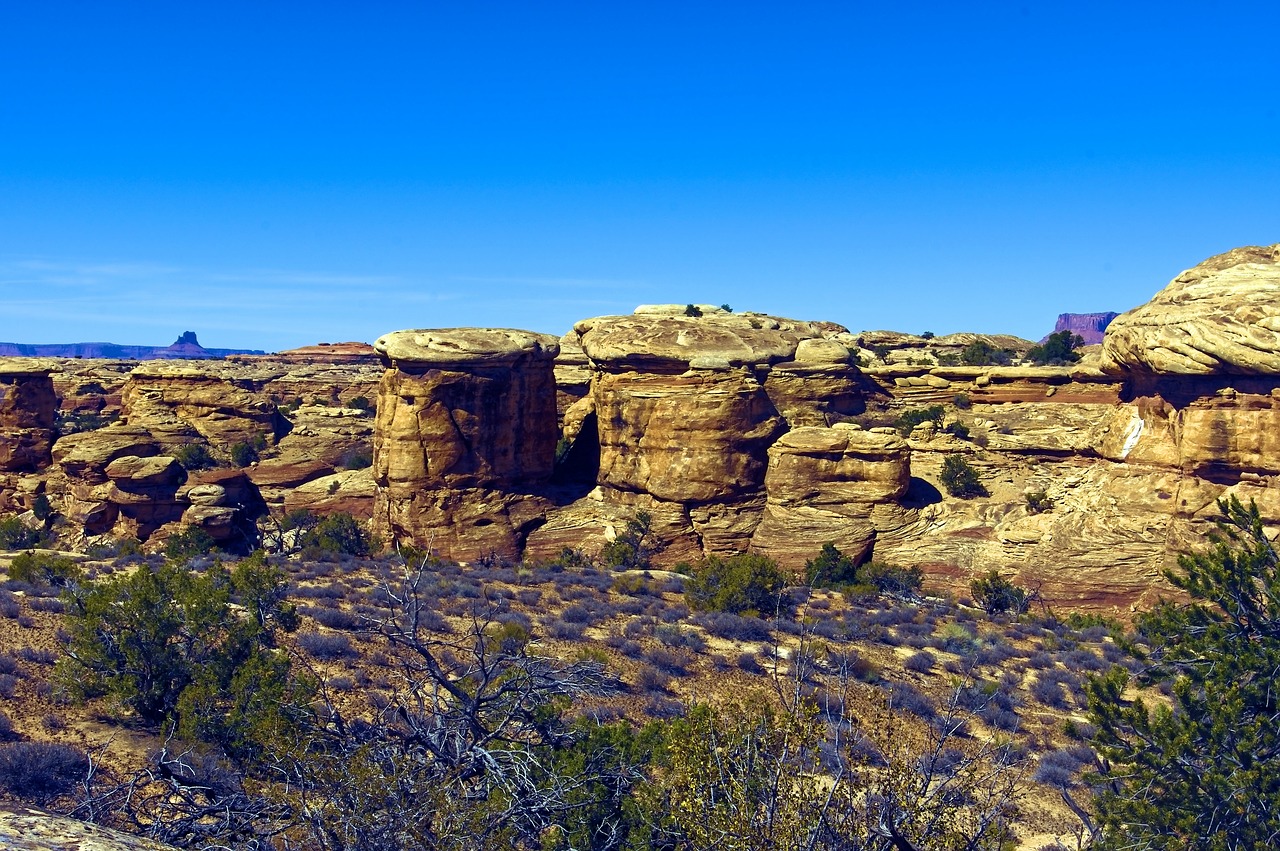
(1131, 435)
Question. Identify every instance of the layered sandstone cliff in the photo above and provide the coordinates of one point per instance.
(465, 436)
(28, 409)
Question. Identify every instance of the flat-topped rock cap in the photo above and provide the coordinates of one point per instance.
(207, 370)
(435, 346)
(29, 366)
(1219, 317)
(672, 339)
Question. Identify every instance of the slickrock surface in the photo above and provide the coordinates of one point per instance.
(466, 427)
(29, 829)
(28, 408)
(1221, 317)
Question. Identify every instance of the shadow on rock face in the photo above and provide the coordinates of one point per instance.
(920, 493)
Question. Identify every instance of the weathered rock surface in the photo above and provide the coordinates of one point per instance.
(223, 403)
(466, 427)
(25, 828)
(1221, 317)
(823, 486)
(28, 411)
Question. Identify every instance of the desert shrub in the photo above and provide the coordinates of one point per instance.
(749, 663)
(997, 595)
(1038, 501)
(920, 663)
(692, 310)
(189, 543)
(333, 618)
(358, 458)
(48, 604)
(892, 579)
(7, 733)
(1049, 692)
(961, 401)
(16, 535)
(746, 583)
(339, 534)
(326, 647)
(830, 568)
(960, 479)
(41, 771)
(957, 429)
(633, 548)
(670, 659)
(670, 635)
(565, 630)
(1058, 348)
(908, 698)
(981, 353)
(360, 403)
(8, 686)
(37, 655)
(908, 420)
(243, 454)
(733, 627)
(43, 569)
(194, 456)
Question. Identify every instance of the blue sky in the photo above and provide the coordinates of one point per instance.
(277, 174)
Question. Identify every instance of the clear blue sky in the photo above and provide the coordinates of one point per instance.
(276, 174)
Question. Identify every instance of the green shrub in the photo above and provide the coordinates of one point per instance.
(633, 548)
(1059, 348)
(189, 543)
(892, 579)
(243, 454)
(41, 771)
(1038, 501)
(981, 353)
(195, 456)
(16, 535)
(337, 533)
(960, 479)
(692, 310)
(958, 429)
(357, 458)
(41, 508)
(997, 595)
(44, 570)
(908, 420)
(360, 403)
(830, 568)
(927, 335)
(744, 584)
(961, 401)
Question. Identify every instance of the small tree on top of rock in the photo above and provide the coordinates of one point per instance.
(692, 310)
(633, 547)
(744, 584)
(830, 568)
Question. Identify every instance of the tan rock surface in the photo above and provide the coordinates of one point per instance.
(28, 411)
(25, 828)
(1220, 317)
(463, 412)
(822, 487)
(225, 403)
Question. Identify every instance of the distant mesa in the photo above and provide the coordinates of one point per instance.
(186, 347)
(1089, 326)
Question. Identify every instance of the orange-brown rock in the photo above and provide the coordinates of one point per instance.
(465, 433)
(824, 485)
(28, 412)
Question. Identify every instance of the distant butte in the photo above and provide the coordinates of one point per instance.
(1090, 326)
(186, 347)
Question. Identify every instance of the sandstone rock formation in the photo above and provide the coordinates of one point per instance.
(28, 411)
(1221, 317)
(222, 403)
(465, 435)
(825, 485)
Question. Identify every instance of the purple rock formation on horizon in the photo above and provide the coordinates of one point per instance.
(185, 347)
(1090, 326)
